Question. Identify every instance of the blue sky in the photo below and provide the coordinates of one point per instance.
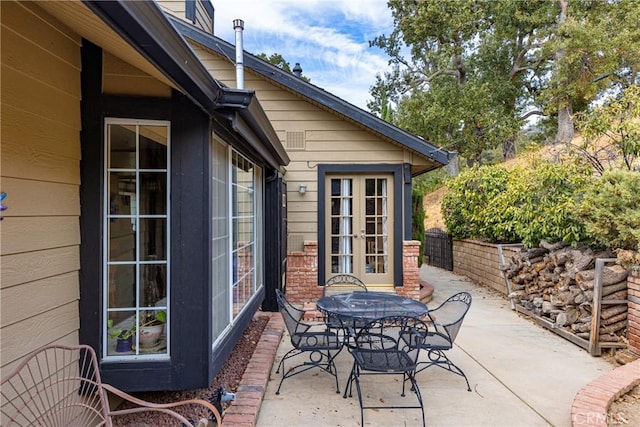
(329, 38)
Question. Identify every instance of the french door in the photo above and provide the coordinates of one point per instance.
(359, 227)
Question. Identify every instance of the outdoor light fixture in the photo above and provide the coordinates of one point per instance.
(302, 188)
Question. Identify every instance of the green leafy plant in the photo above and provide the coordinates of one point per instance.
(121, 333)
(159, 317)
(520, 205)
(610, 212)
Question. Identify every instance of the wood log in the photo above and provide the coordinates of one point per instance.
(561, 257)
(620, 295)
(584, 335)
(535, 252)
(585, 276)
(581, 327)
(610, 289)
(613, 328)
(609, 338)
(615, 319)
(567, 317)
(550, 247)
(586, 285)
(611, 274)
(607, 313)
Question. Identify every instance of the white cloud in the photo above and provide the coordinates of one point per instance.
(329, 38)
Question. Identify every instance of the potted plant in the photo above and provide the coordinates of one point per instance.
(151, 327)
(123, 337)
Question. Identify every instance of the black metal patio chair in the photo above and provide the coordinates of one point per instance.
(341, 283)
(445, 323)
(321, 346)
(386, 346)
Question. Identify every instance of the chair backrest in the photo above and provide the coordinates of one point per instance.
(448, 316)
(341, 283)
(378, 339)
(55, 386)
(292, 317)
(60, 385)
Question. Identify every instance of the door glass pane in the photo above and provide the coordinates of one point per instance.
(342, 225)
(376, 226)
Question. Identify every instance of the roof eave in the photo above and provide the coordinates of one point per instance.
(146, 28)
(271, 72)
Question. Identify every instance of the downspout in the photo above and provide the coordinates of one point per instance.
(238, 26)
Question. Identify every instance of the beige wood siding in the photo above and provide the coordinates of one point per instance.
(40, 158)
(178, 9)
(326, 138)
(121, 78)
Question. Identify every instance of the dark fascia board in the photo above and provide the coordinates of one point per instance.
(317, 94)
(146, 27)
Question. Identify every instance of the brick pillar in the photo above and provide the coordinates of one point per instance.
(410, 270)
(633, 313)
(302, 275)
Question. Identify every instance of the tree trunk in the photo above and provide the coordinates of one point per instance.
(453, 167)
(565, 125)
(565, 110)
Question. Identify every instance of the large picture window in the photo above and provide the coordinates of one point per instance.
(136, 244)
(237, 235)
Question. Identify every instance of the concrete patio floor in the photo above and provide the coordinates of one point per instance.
(520, 375)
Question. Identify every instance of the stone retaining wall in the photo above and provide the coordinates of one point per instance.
(479, 262)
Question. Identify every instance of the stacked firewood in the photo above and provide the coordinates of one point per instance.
(556, 282)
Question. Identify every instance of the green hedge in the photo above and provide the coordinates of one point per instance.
(517, 205)
(610, 210)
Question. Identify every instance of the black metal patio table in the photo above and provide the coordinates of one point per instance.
(358, 308)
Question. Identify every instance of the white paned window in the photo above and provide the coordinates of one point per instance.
(245, 210)
(136, 245)
(220, 238)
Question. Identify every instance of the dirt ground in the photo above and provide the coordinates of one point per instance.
(625, 411)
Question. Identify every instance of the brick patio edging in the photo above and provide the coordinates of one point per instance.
(591, 404)
(244, 410)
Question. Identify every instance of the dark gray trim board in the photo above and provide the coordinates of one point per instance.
(146, 28)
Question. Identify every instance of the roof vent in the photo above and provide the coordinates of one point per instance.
(238, 26)
(297, 70)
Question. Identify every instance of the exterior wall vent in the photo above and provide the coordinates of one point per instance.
(296, 140)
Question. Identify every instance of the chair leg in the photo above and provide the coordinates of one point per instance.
(439, 358)
(416, 389)
(313, 362)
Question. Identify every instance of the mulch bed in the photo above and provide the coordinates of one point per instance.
(229, 377)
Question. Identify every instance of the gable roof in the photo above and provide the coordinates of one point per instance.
(317, 95)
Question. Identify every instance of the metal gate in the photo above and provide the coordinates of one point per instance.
(438, 248)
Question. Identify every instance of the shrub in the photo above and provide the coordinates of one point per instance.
(610, 212)
(464, 206)
(519, 205)
(418, 214)
(548, 195)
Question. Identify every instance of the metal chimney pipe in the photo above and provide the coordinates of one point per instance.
(238, 26)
